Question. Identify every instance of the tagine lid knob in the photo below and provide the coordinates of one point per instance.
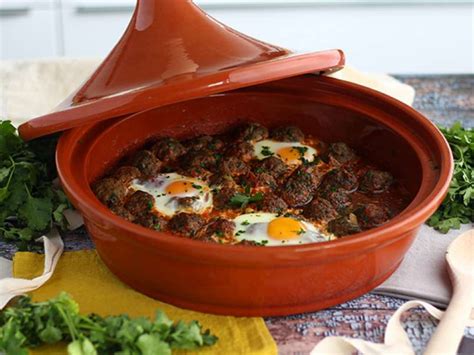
(172, 51)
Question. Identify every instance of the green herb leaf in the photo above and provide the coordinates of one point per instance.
(301, 150)
(36, 212)
(50, 334)
(153, 345)
(81, 347)
(29, 203)
(29, 325)
(301, 231)
(458, 207)
(242, 200)
(266, 152)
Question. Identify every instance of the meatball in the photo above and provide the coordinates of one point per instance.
(110, 191)
(313, 171)
(220, 228)
(122, 212)
(341, 153)
(205, 143)
(252, 132)
(168, 149)
(147, 163)
(200, 159)
(288, 134)
(140, 203)
(152, 221)
(196, 172)
(272, 204)
(234, 166)
(126, 174)
(339, 199)
(298, 190)
(243, 151)
(375, 181)
(338, 179)
(258, 180)
(345, 225)
(371, 215)
(222, 180)
(271, 165)
(320, 209)
(222, 198)
(186, 224)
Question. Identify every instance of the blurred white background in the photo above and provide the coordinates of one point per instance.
(407, 36)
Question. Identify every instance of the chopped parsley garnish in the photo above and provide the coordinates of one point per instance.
(301, 150)
(266, 152)
(246, 186)
(196, 186)
(245, 223)
(242, 200)
(301, 231)
(458, 206)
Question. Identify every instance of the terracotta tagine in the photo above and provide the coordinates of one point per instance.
(178, 72)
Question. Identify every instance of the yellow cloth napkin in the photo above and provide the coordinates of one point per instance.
(83, 275)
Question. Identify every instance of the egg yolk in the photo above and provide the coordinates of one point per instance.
(180, 187)
(289, 155)
(285, 228)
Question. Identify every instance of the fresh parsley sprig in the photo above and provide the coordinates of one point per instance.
(242, 200)
(29, 202)
(458, 207)
(29, 325)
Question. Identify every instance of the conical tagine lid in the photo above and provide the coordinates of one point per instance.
(172, 51)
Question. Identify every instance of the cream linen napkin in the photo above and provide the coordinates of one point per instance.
(380, 82)
(423, 273)
(33, 88)
(11, 287)
(53, 249)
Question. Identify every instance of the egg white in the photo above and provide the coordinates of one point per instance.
(264, 149)
(254, 227)
(167, 204)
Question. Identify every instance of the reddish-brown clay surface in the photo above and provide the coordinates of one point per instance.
(263, 281)
(172, 51)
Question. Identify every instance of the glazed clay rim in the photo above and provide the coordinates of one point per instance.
(384, 234)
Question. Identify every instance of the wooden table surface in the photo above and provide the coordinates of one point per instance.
(444, 99)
